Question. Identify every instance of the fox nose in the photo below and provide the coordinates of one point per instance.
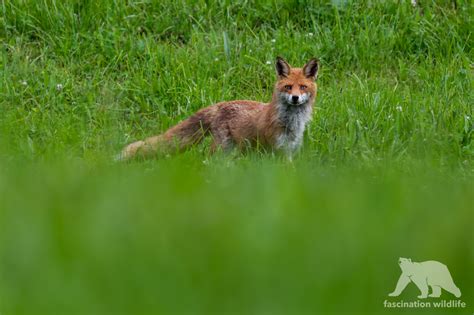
(295, 98)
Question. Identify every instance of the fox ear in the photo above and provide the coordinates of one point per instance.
(282, 67)
(311, 69)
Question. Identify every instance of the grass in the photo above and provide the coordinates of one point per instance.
(386, 170)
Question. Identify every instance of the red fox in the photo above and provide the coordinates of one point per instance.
(278, 125)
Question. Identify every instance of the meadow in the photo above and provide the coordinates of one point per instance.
(386, 169)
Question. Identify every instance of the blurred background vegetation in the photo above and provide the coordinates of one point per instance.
(386, 170)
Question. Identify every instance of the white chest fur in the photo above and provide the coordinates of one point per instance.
(294, 120)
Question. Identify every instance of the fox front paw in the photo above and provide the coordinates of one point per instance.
(393, 294)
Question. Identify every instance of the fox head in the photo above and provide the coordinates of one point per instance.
(296, 86)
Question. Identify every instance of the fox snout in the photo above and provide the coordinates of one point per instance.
(296, 99)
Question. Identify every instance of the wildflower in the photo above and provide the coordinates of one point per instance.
(59, 87)
(24, 83)
(268, 62)
(310, 34)
(468, 117)
(399, 108)
(273, 40)
(216, 59)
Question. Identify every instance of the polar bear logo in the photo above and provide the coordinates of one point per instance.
(423, 274)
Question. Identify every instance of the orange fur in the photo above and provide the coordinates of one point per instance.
(277, 125)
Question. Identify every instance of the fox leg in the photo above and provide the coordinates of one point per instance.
(222, 140)
(225, 146)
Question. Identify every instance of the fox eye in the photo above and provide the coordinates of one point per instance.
(288, 87)
(303, 87)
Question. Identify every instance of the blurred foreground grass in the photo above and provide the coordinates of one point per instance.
(237, 236)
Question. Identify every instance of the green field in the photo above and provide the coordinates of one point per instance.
(386, 169)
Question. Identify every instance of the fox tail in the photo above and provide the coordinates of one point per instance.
(189, 132)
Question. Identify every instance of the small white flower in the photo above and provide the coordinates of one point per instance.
(399, 108)
(24, 83)
(389, 116)
(216, 59)
(273, 40)
(310, 34)
(268, 62)
(468, 117)
(59, 87)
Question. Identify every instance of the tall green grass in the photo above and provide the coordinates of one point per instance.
(386, 169)
(130, 70)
